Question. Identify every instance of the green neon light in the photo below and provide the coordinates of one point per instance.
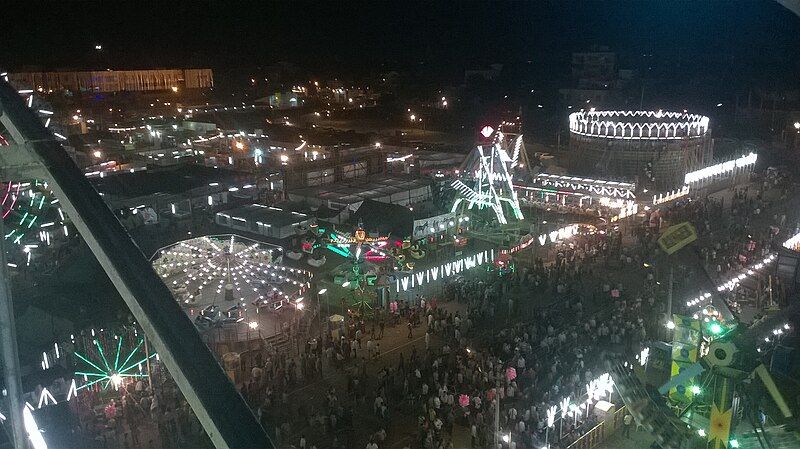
(116, 359)
(339, 251)
(134, 365)
(88, 361)
(23, 218)
(94, 382)
(141, 342)
(120, 369)
(100, 348)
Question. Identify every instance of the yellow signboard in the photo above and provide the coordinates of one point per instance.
(676, 237)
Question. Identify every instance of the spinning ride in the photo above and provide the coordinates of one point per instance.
(211, 270)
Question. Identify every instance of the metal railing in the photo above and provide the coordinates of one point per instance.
(600, 432)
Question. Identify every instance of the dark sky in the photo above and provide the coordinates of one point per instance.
(360, 36)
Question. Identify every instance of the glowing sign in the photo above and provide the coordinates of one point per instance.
(676, 237)
(487, 131)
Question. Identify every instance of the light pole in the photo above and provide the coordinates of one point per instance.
(320, 294)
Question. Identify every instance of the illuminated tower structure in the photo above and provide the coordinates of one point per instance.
(488, 173)
(654, 148)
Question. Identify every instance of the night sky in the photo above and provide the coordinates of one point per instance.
(759, 36)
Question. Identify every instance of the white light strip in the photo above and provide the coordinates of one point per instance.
(553, 237)
(749, 271)
(445, 270)
(398, 159)
(594, 186)
(719, 169)
(662, 198)
(624, 125)
(35, 435)
(702, 298)
(793, 243)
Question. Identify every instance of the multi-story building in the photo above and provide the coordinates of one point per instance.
(114, 80)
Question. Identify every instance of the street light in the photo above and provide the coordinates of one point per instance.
(670, 325)
(797, 127)
(319, 304)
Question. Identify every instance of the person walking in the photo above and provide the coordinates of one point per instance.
(628, 423)
(410, 330)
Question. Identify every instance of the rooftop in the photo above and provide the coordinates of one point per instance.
(268, 215)
(172, 181)
(375, 188)
(386, 219)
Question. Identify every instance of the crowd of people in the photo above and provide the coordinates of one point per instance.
(496, 351)
(601, 297)
(454, 381)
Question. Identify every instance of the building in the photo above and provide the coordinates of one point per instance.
(653, 148)
(114, 80)
(595, 68)
(491, 73)
(424, 162)
(177, 191)
(594, 77)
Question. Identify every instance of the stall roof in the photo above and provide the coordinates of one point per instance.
(374, 188)
(384, 218)
(175, 180)
(269, 215)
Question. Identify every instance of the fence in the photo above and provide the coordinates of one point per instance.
(600, 432)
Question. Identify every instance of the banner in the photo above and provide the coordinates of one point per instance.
(676, 237)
